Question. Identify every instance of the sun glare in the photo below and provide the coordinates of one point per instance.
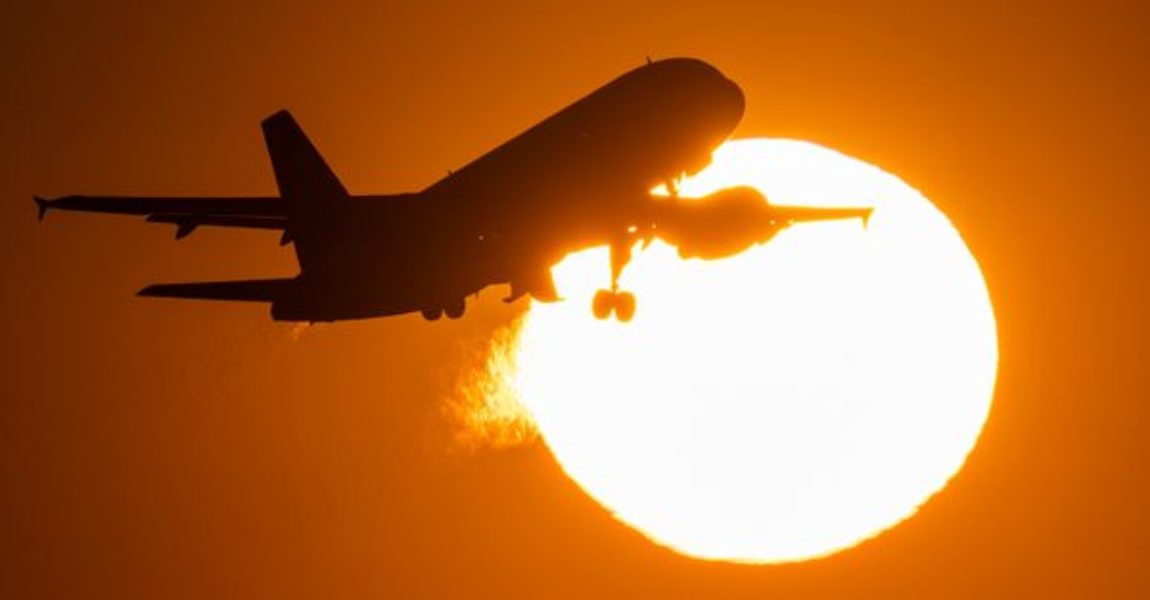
(782, 404)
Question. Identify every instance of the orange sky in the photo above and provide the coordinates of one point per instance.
(158, 449)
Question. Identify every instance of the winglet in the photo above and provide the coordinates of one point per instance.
(42, 207)
(866, 218)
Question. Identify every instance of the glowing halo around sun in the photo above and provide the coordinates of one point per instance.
(782, 404)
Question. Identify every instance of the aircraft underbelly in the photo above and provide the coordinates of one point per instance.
(378, 279)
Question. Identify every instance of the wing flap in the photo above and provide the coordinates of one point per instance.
(186, 224)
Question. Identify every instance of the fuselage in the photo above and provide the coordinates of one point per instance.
(578, 179)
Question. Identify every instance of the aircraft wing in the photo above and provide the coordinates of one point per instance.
(271, 206)
(797, 214)
(186, 213)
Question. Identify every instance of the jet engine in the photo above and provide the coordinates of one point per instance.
(722, 224)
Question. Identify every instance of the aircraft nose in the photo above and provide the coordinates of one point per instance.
(733, 101)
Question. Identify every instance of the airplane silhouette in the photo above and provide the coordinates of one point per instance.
(581, 178)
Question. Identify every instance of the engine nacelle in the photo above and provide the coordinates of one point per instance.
(722, 224)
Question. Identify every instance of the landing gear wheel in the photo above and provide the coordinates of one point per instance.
(455, 308)
(602, 304)
(624, 306)
(620, 303)
(612, 300)
(431, 313)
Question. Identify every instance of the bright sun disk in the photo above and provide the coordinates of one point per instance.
(782, 404)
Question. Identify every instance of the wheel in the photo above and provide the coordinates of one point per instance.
(455, 309)
(431, 313)
(602, 304)
(624, 306)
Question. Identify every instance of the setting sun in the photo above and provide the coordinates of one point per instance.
(782, 404)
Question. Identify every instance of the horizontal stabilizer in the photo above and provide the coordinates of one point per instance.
(250, 290)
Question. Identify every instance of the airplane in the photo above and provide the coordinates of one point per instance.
(581, 178)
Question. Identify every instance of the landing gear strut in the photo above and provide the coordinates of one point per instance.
(622, 303)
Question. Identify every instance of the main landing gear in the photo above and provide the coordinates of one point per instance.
(608, 301)
(454, 310)
(614, 301)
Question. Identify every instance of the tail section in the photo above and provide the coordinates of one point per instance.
(309, 187)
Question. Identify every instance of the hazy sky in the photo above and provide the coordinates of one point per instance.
(159, 449)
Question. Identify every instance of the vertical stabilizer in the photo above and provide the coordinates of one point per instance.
(309, 187)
